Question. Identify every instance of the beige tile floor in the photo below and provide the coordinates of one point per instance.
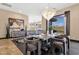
(7, 47)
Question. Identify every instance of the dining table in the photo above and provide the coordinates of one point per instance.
(46, 37)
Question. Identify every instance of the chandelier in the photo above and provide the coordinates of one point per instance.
(48, 13)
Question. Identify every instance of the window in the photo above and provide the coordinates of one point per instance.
(58, 24)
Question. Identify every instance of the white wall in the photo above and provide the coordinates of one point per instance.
(4, 15)
(74, 20)
(34, 18)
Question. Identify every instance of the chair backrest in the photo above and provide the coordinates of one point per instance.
(34, 41)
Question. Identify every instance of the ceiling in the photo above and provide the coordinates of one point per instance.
(36, 8)
(33, 10)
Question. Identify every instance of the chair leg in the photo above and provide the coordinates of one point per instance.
(39, 48)
(28, 53)
(52, 49)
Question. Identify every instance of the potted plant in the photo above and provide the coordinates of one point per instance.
(51, 28)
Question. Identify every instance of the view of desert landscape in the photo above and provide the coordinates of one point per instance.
(60, 29)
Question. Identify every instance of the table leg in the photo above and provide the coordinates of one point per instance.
(68, 45)
(64, 48)
(39, 48)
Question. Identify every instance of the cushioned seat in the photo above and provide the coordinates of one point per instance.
(31, 47)
(58, 47)
(58, 43)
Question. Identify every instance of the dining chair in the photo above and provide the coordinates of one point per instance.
(67, 41)
(57, 43)
(32, 46)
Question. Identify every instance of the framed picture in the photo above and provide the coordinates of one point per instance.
(16, 23)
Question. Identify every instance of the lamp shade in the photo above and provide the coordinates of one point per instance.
(48, 13)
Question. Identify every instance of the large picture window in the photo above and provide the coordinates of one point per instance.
(58, 24)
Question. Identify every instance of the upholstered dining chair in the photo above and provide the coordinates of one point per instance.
(67, 41)
(32, 46)
(59, 43)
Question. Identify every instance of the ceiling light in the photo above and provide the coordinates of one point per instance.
(48, 13)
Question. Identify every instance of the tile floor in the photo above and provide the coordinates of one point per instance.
(74, 48)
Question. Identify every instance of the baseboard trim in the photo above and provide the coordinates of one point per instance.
(74, 40)
(3, 38)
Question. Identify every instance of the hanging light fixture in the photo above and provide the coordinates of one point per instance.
(48, 13)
